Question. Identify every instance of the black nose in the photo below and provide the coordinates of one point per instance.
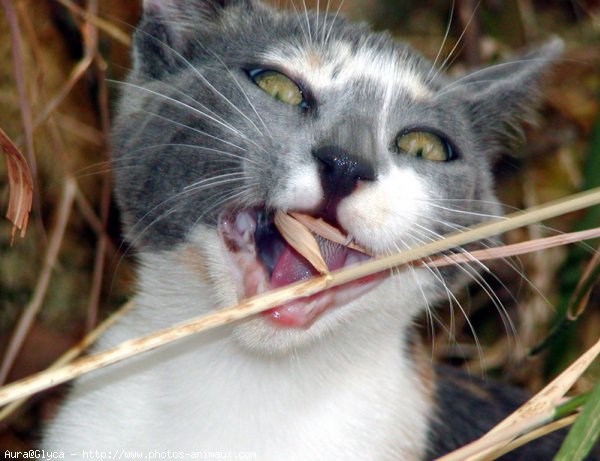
(340, 173)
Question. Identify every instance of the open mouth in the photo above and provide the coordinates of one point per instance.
(262, 260)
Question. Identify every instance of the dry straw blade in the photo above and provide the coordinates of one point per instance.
(515, 249)
(74, 352)
(251, 306)
(300, 238)
(535, 434)
(325, 230)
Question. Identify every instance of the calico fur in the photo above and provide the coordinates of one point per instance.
(194, 138)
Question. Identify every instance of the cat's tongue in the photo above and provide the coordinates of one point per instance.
(290, 268)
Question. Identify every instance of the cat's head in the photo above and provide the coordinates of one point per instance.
(234, 110)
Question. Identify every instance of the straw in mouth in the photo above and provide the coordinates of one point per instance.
(263, 259)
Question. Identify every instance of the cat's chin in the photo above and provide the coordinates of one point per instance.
(261, 260)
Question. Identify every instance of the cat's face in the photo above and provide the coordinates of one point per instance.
(234, 111)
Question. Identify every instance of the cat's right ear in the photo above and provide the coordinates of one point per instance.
(168, 27)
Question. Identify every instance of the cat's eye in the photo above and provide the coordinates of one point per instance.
(279, 86)
(425, 145)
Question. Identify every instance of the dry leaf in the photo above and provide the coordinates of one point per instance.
(20, 183)
(300, 238)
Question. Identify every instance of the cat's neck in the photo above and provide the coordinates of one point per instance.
(340, 388)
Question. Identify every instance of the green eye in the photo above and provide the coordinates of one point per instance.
(425, 145)
(278, 86)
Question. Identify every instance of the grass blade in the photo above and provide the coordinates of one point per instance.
(585, 430)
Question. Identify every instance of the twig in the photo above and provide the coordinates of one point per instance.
(100, 255)
(256, 304)
(29, 313)
(89, 214)
(74, 352)
(76, 74)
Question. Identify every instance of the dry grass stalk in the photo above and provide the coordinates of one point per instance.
(301, 240)
(516, 249)
(95, 223)
(74, 352)
(76, 73)
(577, 308)
(256, 304)
(20, 183)
(91, 34)
(535, 434)
(108, 28)
(534, 413)
(29, 313)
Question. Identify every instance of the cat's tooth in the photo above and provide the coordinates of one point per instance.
(244, 223)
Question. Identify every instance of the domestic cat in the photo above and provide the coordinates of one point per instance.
(234, 110)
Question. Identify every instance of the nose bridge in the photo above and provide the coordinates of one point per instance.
(357, 136)
(346, 156)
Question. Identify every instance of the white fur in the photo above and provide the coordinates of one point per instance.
(352, 396)
(343, 389)
(302, 190)
(389, 71)
(391, 206)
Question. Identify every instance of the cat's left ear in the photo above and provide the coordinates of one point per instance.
(500, 98)
(167, 29)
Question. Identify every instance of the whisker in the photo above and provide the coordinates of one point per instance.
(506, 320)
(307, 20)
(335, 16)
(208, 150)
(218, 58)
(432, 69)
(183, 125)
(187, 106)
(203, 79)
(443, 65)
(222, 179)
(462, 310)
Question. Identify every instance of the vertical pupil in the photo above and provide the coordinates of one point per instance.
(279, 87)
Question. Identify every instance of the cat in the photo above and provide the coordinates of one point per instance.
(234, 110)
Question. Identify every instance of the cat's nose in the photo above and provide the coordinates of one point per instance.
(340, 174)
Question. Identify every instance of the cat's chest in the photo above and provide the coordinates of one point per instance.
(210, 396)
